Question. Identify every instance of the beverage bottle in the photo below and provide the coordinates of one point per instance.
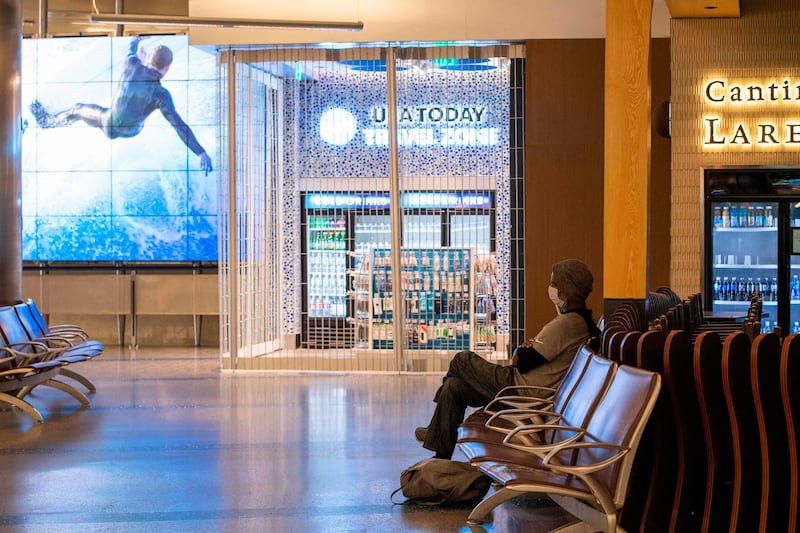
(795, 287)
(725, 290)
(766, 327)
(751, 216)
(717, 288)
(796, 327)
(734, 289)
(726, 217)
(717, 217)
(769, 219)
(773, 290)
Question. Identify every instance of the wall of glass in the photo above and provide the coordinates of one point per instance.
(318, 252)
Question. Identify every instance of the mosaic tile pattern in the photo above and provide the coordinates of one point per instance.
(477, 99)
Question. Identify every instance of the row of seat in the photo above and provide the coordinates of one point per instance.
(721, 451)
(576, 444)
(33, 354)
(688, 316)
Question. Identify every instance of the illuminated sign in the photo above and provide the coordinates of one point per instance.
(422, 125)
(751, 100)
(409, 200)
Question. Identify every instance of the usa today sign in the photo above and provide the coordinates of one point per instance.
(421, 125)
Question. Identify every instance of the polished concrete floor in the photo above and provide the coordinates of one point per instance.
(171, 443)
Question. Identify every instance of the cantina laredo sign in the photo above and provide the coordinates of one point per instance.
(747, 97)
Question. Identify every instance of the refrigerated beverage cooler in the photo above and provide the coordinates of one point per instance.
(753, 243)
(341, 230)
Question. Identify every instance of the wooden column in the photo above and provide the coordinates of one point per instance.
(627, 149)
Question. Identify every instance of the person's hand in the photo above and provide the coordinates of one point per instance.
(205, 163)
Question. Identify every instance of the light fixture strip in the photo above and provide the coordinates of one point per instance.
(169, 20)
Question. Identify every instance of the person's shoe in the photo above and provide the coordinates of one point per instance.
(420, 433)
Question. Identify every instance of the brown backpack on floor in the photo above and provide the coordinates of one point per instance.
(442, 481)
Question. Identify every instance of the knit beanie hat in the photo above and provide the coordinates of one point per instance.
(573, 279)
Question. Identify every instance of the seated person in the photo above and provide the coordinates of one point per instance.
(543, 360)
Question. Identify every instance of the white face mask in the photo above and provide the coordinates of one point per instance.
(552, 292)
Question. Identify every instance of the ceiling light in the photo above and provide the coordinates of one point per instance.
(159, 20)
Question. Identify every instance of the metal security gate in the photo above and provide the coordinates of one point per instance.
(362, 246)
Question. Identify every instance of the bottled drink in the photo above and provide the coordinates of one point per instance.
(717, 217)
(795, 290)
(773, 289)
(726, 217)
(769, 219)
(724, 291)
(796, 327)
(717, 288)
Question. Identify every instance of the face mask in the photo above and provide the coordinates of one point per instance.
(552, 292)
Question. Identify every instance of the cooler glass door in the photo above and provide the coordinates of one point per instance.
(745, 257)
(794, 268)
(327, 266)
(471, 231)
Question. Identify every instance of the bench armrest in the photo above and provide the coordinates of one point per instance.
(60, 341)
(551, 461)
(68, 329)
(517, 437)
(516, 416)
(41, 352)
(516, 402)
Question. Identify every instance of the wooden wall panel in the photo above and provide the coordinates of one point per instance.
(564, 166)
(658, 252)
(564, 110)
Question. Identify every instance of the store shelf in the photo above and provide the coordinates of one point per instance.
(745, 267)
(746, 303)
(746, 229)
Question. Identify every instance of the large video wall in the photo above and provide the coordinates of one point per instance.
(108, 171)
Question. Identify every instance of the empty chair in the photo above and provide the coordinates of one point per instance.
(643, 470)
(717, 432)
(790, 393)
(74, 345)
(746, 447)
(765, 376)
(687, 510)
(628, 348)
(58, 329)
(660, 492)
